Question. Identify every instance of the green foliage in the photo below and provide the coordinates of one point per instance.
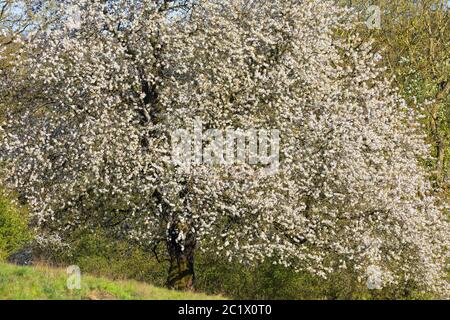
(96, 254)
(24, 283)
(100, 255)
(275, 282)
(14, 232)
(264, 281)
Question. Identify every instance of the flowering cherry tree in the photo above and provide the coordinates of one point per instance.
(89, 145)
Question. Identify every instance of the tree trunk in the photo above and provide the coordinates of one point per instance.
(181, 256)
(440, 167)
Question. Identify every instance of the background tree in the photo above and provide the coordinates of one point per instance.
(19, 19)
(415, 39)
(90, 145)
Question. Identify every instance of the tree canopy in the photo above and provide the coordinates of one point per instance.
(90, 142)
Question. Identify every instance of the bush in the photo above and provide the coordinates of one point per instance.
(98, 254)
(102, 256)
(14, 231)
(275, 282)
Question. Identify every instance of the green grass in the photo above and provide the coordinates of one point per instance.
(45, 283)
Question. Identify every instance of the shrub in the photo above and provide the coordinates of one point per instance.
(98, 254)
(14, 231)
(268, 281)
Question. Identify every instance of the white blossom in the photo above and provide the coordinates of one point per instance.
(90, 144)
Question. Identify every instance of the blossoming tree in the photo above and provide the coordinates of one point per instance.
(90, 144)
